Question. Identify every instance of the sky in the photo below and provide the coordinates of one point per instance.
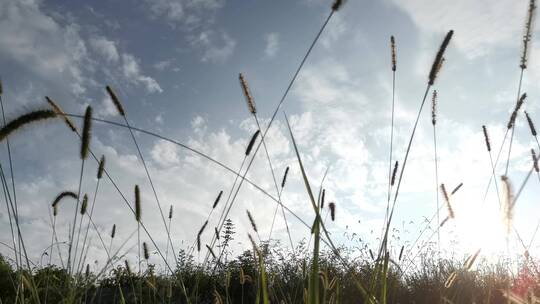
(175, 64)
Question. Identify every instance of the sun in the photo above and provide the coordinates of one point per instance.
(480, 226)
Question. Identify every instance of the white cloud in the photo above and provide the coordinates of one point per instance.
(478, 25)
(189, 14)
(105, 48)
(272, 44)
(165, 153)
(38, 42)
(132, 72)
(217, 48)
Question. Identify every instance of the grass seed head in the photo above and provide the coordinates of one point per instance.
(337, 5)
(486, 137)
(284, 180)
(516, 110)
(217, 199)
(535, 160)
(447, 200)
(434, 108)
(61, 113)
(25, 119)
(247, 94)
(113, 232)
(101, 167)
(531, 124)
(86, 133)
(437, 63)
(116, 101)
(84, 204)
(252, 142)
(251, 220)
(393, 50)
(128, 269)
(322, 198)
(456, 188)
(529, 27)
(62, 195)
(146, 253)
(332, 207)
(138, 210)
(394, 173)
(170, 212)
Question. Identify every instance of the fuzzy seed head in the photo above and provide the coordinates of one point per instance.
(470, 261)
(456, 189)
(113, 232)
(434, 108)
(86, 133)
(247, 94)
(516, 110)
(128, 269)
(251, 220)
(393, 49)
(394, 173)
(322, 198)
(401, 253)
(252, 142)
(284, 180)
(146, 253)
(170, 212)
(447, 200)
(61, 113)
(332, 207)
(138, 211)
(535, 160)
(55, 210)
(337, 5)
(486, 137)
(531, 124)
(62, 195)
(217, 199)
(529, 27)
(101, 167)
(202, 228)
(435, 68)
(217, 233)
(84, 204)
(25, 119)
(116, 101)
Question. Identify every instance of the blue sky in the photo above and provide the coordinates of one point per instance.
(175, 65)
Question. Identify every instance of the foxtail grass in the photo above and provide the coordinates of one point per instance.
(434, 72)
(85, 144)
(436, 163)
(122, 112)
(24, 120)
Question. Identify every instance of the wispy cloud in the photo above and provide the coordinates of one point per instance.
(216, 47)
(479, 25)
(272, 44)
(132, 72)
(105, 48)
